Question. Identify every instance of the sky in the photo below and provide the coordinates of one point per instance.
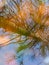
(8, 53)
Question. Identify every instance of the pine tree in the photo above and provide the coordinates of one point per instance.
(29, 19)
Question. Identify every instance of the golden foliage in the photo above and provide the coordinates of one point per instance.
(37, 29)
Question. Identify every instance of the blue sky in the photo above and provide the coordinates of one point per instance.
(8, 52)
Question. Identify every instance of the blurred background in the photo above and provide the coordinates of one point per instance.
(9, 42)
